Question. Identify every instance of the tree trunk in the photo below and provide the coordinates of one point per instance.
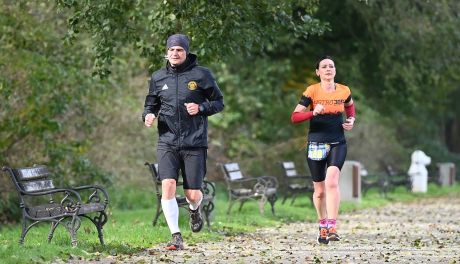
(453, 135)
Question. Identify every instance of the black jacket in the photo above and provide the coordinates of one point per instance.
(169, 89)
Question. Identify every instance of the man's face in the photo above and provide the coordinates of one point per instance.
(176, 55)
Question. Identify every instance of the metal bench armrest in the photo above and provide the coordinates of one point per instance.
(270, 181)
(94, 197)
(209, 188)
(53, 191)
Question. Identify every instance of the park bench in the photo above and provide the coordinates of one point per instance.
(397, 178)
(41, 201)
(242, 189)
(434, 175)
(207, 204)
(294, 183)
(379, 181)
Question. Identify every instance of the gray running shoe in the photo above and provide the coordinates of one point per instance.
(177, 243)
(196, 221)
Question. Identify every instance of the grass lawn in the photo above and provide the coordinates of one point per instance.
(129, 229)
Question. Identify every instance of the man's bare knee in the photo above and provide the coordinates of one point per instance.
(168, 188)
(193, 195)
(168, 183)
(319, 194)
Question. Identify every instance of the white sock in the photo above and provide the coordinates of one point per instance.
(196, 205)
(171, 212)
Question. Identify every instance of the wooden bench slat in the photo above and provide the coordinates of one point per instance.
(37, 186)
(235, 175)
(32, 173)
(90, 207)
(291, 173)
(47, 210)
(232, 167)
(288, 165)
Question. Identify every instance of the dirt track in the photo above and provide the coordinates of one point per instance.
(427, 231)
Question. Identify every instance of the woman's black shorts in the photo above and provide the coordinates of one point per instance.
(335, 157)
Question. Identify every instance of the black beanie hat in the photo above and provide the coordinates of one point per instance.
(178, 40)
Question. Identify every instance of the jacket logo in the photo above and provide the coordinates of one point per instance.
(192, 85)
(165, 87)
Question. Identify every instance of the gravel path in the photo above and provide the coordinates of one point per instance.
(427, 231)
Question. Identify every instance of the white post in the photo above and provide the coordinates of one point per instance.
(446, 173)
(350, 181)
(418, 172)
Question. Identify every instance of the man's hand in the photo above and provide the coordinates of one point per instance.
(149, 118)
(192, 108)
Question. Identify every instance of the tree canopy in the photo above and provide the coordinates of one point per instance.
(218, 29)
(46, 111)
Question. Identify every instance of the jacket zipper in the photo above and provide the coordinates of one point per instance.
(178, 111)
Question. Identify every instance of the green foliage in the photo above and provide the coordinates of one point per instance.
(46, 96)
(255, 103)
(399, 60)
(218, 29)
(132, 197)
(411, 48)
(9, 208)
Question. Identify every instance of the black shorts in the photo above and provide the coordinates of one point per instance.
(191, 162)
(336, 157)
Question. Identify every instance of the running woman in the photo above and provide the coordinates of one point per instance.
(324, 104)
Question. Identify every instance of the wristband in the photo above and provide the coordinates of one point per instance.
(297, 117)
(350, 111)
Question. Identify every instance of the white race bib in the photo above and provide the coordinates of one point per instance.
(318, 151)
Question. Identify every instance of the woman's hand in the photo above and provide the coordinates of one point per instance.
(349, 122)
(319, 108)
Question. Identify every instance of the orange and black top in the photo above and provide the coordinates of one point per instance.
(326, 127)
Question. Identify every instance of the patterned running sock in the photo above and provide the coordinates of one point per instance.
(331, 223)
(322, 222)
